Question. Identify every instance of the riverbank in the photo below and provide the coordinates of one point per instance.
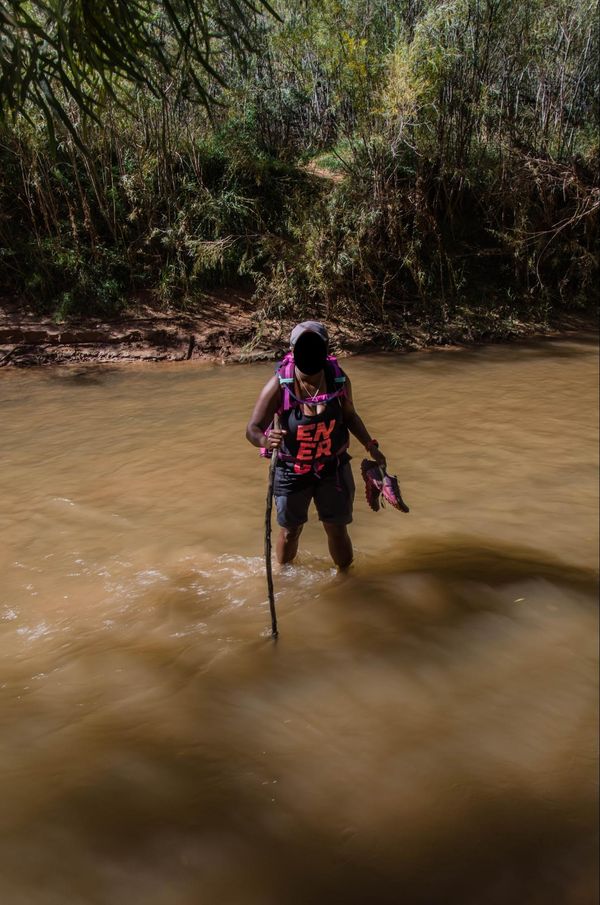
(229, 328)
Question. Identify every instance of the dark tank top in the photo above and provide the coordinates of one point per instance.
(316, 444)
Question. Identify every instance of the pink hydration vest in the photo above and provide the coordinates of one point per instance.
(286, 374)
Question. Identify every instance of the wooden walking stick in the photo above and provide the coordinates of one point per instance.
(268, 565)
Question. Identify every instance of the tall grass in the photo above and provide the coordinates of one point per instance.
(464, 134)
(471, 156)
(160, 204)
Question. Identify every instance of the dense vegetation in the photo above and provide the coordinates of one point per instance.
(347, 156)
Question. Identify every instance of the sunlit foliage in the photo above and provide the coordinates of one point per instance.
(451, 153)
(56, 51)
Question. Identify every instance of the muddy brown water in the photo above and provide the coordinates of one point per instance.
(425, 729)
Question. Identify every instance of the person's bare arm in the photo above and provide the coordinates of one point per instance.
(264, 411)
(356, 426)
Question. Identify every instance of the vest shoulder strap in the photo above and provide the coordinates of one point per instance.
(338, 375)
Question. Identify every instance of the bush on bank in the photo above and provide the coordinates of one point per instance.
(139, 212)
(446, 245)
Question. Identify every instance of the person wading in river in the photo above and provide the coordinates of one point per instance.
(313, 398)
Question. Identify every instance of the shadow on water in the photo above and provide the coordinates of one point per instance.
(203, 845)
(549, 347)
(565, 346)
(456, 564)
(183, 811)
(92, 374)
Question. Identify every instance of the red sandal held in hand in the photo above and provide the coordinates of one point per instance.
(378, 483)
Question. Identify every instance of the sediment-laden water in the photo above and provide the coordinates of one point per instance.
(425, 729)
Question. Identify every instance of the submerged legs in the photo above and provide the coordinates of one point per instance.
(340, 545)
(338, 539)
(287, 544)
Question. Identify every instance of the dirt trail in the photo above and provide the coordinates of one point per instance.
(323, 172)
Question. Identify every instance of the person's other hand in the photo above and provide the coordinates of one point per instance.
(378, 457)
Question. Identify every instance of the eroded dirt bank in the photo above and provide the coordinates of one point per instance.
(228, 329)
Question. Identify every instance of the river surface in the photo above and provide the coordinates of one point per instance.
(424, 731)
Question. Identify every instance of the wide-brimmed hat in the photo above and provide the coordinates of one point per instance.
(309, 327)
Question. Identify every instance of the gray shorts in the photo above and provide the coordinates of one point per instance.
(333, 496)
